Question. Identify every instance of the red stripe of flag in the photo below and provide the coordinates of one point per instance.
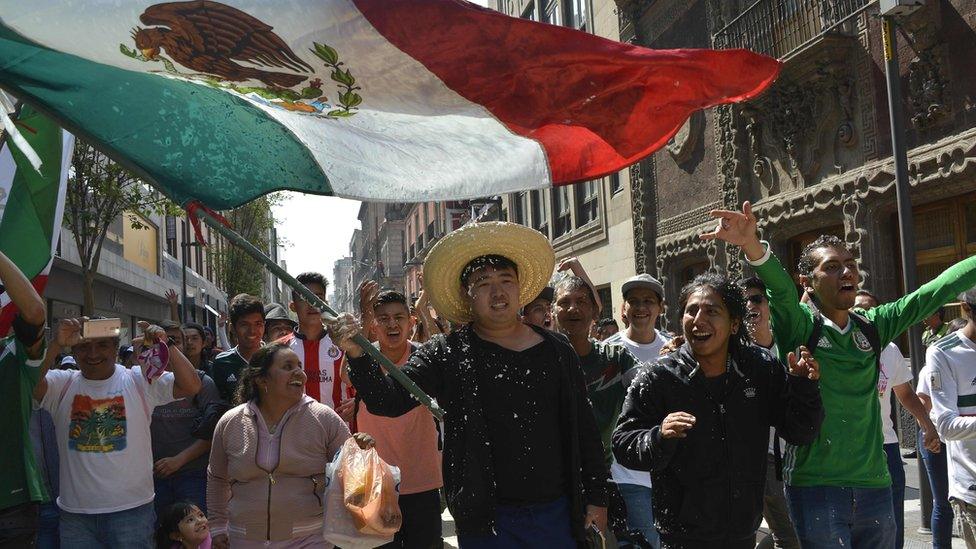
(7, 313)
(594, 105)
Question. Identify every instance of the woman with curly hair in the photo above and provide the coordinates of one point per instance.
(698, 419)
(267, 463)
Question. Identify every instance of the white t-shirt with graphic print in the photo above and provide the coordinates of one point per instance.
(102, 428)
(894, 371)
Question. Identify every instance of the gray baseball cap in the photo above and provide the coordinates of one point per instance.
(643, 281)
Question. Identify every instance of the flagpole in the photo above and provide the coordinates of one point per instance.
(320, 304)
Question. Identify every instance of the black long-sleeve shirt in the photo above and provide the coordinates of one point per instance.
(551, 392)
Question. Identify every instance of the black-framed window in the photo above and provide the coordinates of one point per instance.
(587, 202)
(615, 186)
(561, 215)
(529, 12)
(576, 15)
(520, 208)
(540, 212)
(606, 299)
(550, 12)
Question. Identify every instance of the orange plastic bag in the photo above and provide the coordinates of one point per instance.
(362, 508)
(369, 491)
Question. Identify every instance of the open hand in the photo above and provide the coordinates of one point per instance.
(343, 330)
(804, 366)
(675, 425)
(171, 296)
(345, 409)
(930, 439)
(69, 332)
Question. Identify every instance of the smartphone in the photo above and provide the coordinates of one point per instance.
(103, 327)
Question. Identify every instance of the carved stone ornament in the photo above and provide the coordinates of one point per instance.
(927, 91)
(682, 144)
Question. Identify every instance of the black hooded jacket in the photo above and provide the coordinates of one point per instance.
(448, 368)
(708, 487)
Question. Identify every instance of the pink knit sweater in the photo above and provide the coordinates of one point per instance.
(250, 503)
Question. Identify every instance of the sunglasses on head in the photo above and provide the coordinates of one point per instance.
(756, 299)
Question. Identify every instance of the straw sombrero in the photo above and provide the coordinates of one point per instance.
(527, 248)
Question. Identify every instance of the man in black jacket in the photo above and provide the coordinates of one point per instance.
(523, 461)
(699, 419)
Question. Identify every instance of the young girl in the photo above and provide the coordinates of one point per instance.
(183, 526)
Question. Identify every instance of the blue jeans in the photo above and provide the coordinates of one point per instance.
(828, 516)
(937, 470)
(640, 515)
(541, 525)
(181, 486)
(132, 528)
(897, 471)
(48, 526)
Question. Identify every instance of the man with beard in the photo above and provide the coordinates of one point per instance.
(607, 370)
(410, 441)
(523, 463)
(838, 487)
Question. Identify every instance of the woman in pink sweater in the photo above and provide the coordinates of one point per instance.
(267, 463)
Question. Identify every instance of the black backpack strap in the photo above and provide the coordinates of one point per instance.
(870, 331)
(815, 334)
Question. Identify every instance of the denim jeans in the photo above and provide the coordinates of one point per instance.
(897, 471)
(828, 516)
(937, 470)
(132, 529)
(775, 510)
(640, 515)
(48, 536)
(18, 526)
(526, 526)
(181, 486)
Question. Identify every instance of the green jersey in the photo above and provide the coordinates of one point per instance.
(227, 372)
(603, 370)
(20, 479)
(849, 450)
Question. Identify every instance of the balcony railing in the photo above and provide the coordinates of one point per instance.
(780, 27)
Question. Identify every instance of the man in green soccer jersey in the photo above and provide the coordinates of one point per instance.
(838, 488)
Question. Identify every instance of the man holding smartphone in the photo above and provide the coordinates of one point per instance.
(101, 416)
(21, 485)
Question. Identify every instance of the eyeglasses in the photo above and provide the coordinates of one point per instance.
(756, 299)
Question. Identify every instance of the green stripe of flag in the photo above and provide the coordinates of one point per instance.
(190, 140)
(27, 226)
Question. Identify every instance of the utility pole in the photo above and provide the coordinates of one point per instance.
(906, 224)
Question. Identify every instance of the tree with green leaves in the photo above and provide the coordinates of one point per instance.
(237, 272)
(99, 192)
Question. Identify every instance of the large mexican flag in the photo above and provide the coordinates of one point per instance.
(406, 100)
(32, 202)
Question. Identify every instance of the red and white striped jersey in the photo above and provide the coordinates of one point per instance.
(322, 362)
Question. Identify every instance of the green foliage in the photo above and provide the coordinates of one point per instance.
(349, 100)
(99, 192)
(237, 272)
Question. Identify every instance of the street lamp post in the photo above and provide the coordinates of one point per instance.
(906, 223)
(186, 246)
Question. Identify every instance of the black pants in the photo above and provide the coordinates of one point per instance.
(421, 522)
(18, 526)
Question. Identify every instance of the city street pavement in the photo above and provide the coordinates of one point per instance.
(913, 516)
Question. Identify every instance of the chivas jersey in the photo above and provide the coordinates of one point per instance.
(322, 362)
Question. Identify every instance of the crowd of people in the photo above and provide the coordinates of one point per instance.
(560, 429)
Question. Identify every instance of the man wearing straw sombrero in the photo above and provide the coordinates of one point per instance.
(523, 461)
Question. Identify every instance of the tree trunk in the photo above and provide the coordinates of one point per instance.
(88, 290)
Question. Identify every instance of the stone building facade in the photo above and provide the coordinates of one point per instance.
(592, 221)
(814, 152)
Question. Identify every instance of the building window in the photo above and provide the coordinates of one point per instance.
(520, 208)
(577, 14)
(606, 299)
(561, 219)
(550, 13)
(540, 212)
(413, 252)
(587, 202)
(945, 232)
(615, 183)
(170, 242)
(529, 12)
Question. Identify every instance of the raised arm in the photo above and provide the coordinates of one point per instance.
(573, 265)
(792, 322)
(68, 333)
(30, 305)
(381, 393)
(895, 317)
